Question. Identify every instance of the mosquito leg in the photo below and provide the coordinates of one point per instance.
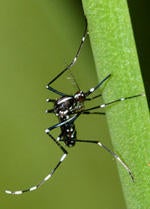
(95, 97)
(51, 100)
(114, 101)
(49, 111)
(112, 153)
(35, 187)
(93, 113)
(69, 66)
(97, 86)
(70, 120)
(74, 59)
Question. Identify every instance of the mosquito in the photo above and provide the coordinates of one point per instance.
(67, 109)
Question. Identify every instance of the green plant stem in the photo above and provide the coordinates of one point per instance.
(114, 52)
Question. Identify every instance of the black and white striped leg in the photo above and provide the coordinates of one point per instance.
(18, 192)
(114, 101)
(49, 111)
(69, 66)
(51, 100)
(112, 153)
(96, 87)
(70, 120)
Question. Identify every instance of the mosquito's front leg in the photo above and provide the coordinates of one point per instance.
(48, 86)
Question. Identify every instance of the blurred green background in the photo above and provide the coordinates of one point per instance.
(37, 40)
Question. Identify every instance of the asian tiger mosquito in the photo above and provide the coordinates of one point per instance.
(68, 108)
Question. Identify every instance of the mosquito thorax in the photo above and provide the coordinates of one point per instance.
(64, 106)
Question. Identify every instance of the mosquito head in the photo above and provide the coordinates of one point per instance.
(79, 96)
